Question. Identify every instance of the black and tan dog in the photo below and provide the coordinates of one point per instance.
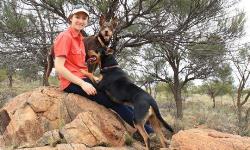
(121, 89)
(92, 44)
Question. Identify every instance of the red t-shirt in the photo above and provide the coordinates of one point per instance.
(69, 44)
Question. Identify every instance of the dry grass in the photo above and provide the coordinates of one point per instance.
(198, 111)
(19, 86)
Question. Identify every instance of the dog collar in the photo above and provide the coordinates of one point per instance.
(101, 42)
(109, 50)
(110, 67)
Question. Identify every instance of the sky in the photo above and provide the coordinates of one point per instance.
(245, 4)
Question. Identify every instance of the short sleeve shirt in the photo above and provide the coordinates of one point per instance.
(69, 44)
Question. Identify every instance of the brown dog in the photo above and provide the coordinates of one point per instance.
(92, 44)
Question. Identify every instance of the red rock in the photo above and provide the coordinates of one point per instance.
(34, 113)
(208, 139)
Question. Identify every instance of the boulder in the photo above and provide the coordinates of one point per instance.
(43, 116)
(88, 128)
(81, 147)
(208, 139)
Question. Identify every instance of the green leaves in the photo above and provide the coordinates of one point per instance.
(244, 54)
(13, 22)
(56, 2)
(182, 7)
(237, 24)
(210, 51)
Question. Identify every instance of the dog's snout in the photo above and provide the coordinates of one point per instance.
(106, 32)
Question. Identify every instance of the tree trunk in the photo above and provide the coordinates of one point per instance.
(213, 98)
(178, 101)
(239, 109)
(45, 80)
(239, 114)
(10, 77)
(176, 89)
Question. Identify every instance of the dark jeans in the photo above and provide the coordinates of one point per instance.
(124, 111)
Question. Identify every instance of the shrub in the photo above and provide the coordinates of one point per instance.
(3, 75)
(5, 95)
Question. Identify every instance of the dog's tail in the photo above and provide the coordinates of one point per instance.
(158, 115)
(50, 61)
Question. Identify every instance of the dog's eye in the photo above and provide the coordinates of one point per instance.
(105, 26)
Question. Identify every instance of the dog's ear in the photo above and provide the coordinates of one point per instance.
(114, 22)
(102, 19)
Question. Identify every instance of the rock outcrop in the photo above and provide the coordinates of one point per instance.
(208, 139)
(47, 116)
